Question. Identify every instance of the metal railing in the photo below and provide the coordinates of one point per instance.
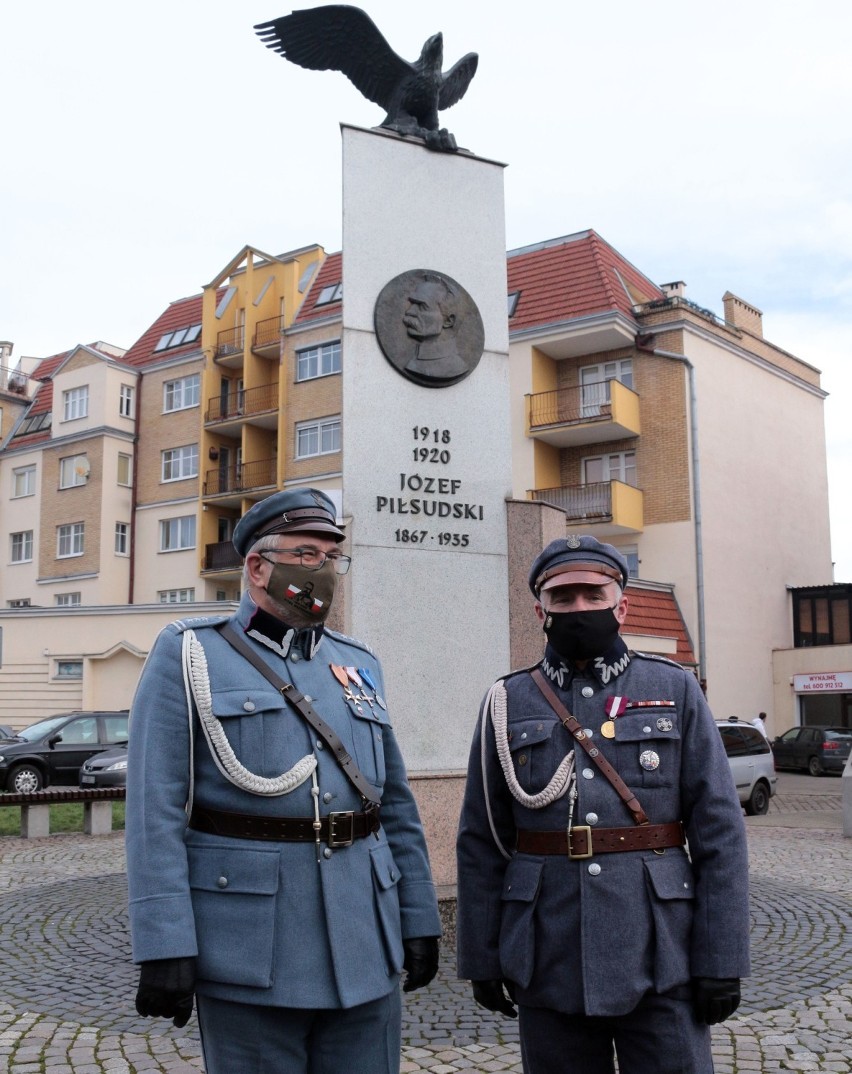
(268, 332)
(592, 502)
(243, 403)
(221, 556)
(231, 341)
(239, 478)
(586, 402)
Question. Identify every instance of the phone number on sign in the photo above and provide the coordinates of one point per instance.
(454, 540)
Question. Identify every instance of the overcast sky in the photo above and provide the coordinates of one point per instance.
(145, 144)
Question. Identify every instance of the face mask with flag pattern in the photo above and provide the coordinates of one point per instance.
(309, 592)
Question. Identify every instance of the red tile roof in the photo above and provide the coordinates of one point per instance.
(577, 276)
(330, 273)
(181, 314)
(656, 613)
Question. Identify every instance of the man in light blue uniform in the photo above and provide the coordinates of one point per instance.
(577, 899)
(262, 880)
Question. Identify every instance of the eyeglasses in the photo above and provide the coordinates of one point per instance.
(312, 558)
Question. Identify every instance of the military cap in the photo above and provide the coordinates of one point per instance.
(573, 560)
(290, 511)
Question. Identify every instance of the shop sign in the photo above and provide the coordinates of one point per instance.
(822, 681)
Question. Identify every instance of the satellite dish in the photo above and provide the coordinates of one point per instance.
(83, 469)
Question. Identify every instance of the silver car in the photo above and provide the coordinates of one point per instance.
(752, 764)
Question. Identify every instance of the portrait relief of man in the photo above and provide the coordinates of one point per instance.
(429, 328)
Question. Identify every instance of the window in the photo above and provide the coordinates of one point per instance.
(115, 727)
(73, 669)
(512, 302)
(177, 533)
(75, 403)
(317, 438)
(22, 546)
(594, 383)
(176, 596)
(68, 600)
(180, 463)
(125, 469)
(82, 732)
(125, 401)
(73, 470)
(619, 466)
(24, 602)
(69, 540)
(178, 338)
(182, 393)
(23, 481)
(822, 616)
(631, 554)
(333, 293)
(318, 361)
(122, 538)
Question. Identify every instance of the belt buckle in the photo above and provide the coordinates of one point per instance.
(347, 837)
(580, 828)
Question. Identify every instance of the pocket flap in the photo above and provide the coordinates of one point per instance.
(530, 732)
(244, 701)
(230, 870)
(385, 869)
(375, 715)
(671, 876)
(661, 724)
(522, 879)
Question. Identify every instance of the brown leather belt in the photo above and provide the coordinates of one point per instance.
(583, 841)
(336, 829)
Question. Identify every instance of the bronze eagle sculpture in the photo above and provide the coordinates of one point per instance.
(339, 37)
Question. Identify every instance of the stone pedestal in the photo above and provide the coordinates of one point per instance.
(427, 469)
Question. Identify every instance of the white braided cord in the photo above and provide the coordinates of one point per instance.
(196, 674)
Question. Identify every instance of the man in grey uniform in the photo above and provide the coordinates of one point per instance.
(277, 867)
(577, 898)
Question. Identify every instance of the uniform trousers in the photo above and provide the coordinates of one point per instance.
(240, 1038)
(659, 1036)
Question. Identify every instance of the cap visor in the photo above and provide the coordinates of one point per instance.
(576, 578)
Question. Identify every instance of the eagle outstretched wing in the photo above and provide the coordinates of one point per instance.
(339, 37)
(456, 80)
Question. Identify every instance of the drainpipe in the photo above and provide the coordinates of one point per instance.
(643, 345)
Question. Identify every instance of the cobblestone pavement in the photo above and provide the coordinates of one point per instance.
(67, 981)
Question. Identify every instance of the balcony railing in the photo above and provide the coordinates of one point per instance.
(241, 478)
(589, 413)
(243, 403)
(221, 557)
(231, 341)
(267, 336)
(607, 507)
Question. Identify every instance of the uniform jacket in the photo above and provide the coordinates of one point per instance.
(595, 935)
(269, 923)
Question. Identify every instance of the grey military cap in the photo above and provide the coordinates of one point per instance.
(573, 560)
(290, 511)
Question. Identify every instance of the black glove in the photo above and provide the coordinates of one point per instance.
(490, 995)
(421, 961)
(715, 998)
(166, 988)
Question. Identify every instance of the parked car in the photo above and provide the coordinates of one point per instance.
(752, 764)
(107, 769)
(53, 750)
(814, 749)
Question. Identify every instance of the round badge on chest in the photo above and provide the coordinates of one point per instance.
(649, 760)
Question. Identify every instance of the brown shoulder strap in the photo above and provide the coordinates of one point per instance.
(576, 731)
(289, 692)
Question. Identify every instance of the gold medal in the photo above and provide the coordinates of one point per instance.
(608, 729)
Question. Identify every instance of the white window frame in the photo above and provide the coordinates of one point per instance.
(73, 471)
(176, 596)
(75, 403)
(23, 482)
(181, 530)
(323, 360)
(129, 482)
(122, 538)
(73, 536)
(69, 600)
(320, 429)
(594, 383)
(615, 466)
(125, 401)
(22, 542)
(183, 393)
(179, 464)
(69, 669)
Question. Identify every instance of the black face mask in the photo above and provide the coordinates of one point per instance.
(309, 592)
(581, 635)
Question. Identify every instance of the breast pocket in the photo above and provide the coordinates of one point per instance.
(233, 900)
(648, 745)
(369, 728)
(535, 755)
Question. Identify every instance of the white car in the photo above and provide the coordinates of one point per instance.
(752, 764)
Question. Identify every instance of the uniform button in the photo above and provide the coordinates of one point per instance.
(588, 773)
(327, 797)
(249, 706)
(295, 657)
(594, 869)
(524, 735)
(522, 760)
(320, 744)
(327, 852)
(647, 730)
(308, 698)
(587, 691)
(587, 731)
(222, 882)
(393, 874)
(591, 818)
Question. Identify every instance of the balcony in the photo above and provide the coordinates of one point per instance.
(221, 557)
(252, 406)
(228, 484)
(229, 346)
(602, 508)
(267, 337)
(589, 414)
